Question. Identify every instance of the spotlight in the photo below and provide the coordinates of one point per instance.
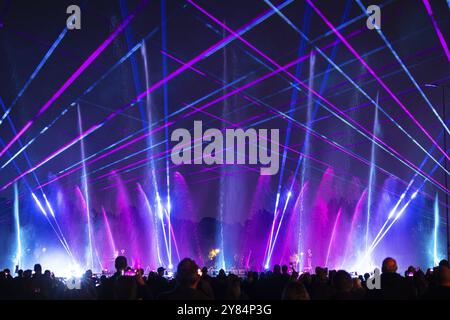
(49, 206)
(160, 208)
(39, 204)
(267, 266)
(414, 194)
(170, 266)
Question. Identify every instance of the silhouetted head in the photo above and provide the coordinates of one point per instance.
(389, 265)
(343, 281)
(187, 273)
(284, 269)
(88, 274)
(366, 276)
(357, 283)
(276, 269)
(120, 263)
(160, 271)
(306, 278)
(204, 271)
(444, 263)
(27, 273)
(47, 273)
(38, 269)
(222, 273)
(20, 273)
(331, 274)
(321, 274)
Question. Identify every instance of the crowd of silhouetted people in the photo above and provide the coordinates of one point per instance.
(191, 283)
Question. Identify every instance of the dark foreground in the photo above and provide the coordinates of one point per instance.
(190, 283)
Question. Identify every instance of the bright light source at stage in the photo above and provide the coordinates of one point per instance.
(403, 196)
(170, 266)
(414, 194)
(74, 271)
(58, 262)
(365, 267)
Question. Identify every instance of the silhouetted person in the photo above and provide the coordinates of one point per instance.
(205, 276)
(442, 290)
(234, 291)
(275, 283)
(157, 282)
(108, 289)
(358, 290)
(219, 285)
(277, 269)
(40, 284)
(320, 285)
(88, 290)
(249, 285)
(444, 263)
(393, 285)
(205, 283)
(187, 278)
(343, 285)
(285, 274)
